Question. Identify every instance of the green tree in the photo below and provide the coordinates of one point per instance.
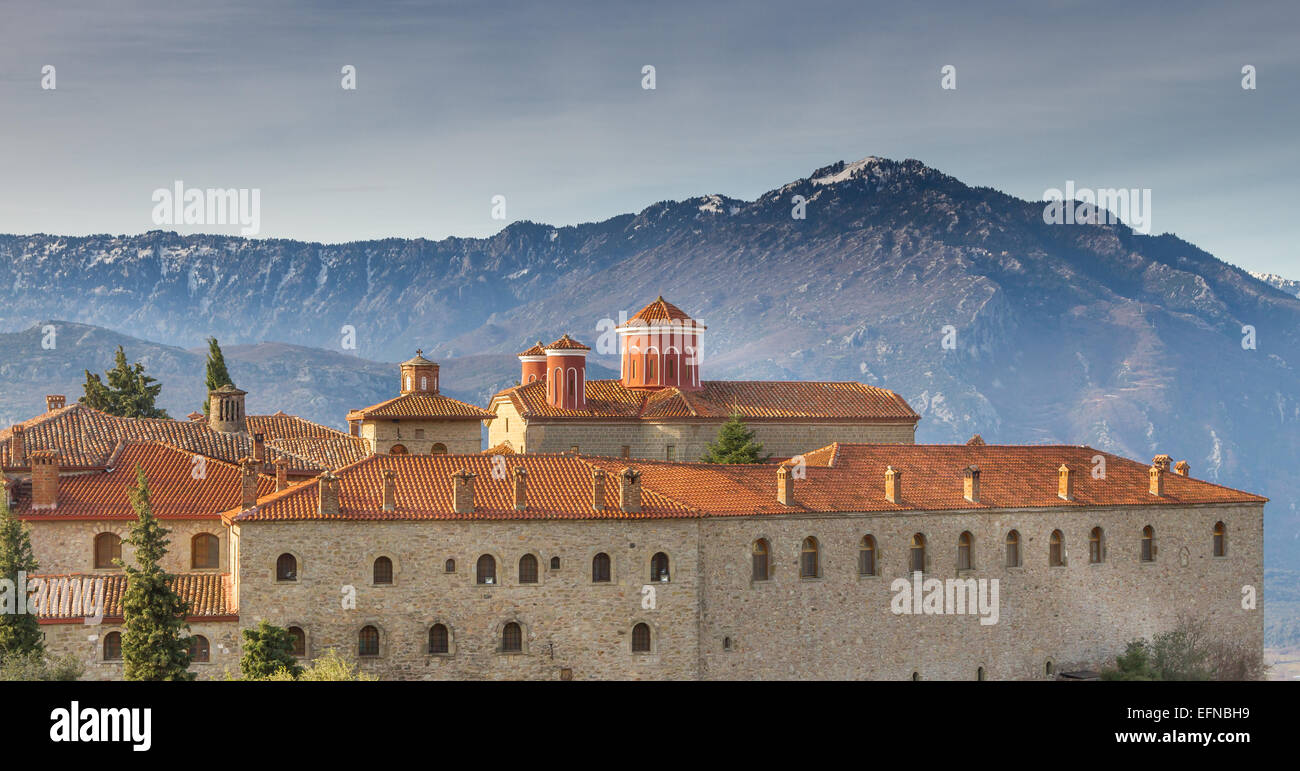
(34, 666)
(331, 666)
(19, 632)
(735, 444)
(129, 393)
(1133, 664)
(217, 374)
(155, 639)
(268, 649)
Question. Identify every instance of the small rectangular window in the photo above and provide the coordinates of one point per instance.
(627, 451)
(670, 452)
(574, 449)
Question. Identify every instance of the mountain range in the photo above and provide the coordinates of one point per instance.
(962, 299)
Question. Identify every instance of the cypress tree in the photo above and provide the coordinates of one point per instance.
(129, 393)
(155, 639)
(268, 649)
(735, 444)
(217, 374)
(19, 632)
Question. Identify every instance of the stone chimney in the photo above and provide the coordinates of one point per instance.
(971, 484)
(1156, 475)
(248, 483)
(521, 488)
(1183, 469)
(629, 490)
(462, 492)
(281, 474)
(784, 486)
(598, 489)
(259, 449)
(45, 479)
(893, 485)
(1162, 462)
(55, 402)
(18, 446)
(327, 488)
(226, 409)
(390, 489)
(1064, 483)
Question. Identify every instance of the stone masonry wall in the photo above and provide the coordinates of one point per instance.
(85, 642)
(69, 547)
(419, 436)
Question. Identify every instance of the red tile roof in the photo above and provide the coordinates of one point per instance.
(208, 595)
(173, 489)
(566, 343)
(324, 452)
(659, 311)
(86, 438)
(537, 350)
(717, 399)
(850, 478)
(422, 405)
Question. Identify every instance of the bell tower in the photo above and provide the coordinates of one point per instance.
(566, 374)
(419, 375)
(661, 348)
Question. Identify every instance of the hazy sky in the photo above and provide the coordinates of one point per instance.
(541, 102)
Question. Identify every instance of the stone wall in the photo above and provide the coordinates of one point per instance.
(69, 547)
(419, 436)
(1078, 616)
(569, 622)
(85, 642)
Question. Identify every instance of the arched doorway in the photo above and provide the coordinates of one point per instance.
(438, 449)
(397, 449)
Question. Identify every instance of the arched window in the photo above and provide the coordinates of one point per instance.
(200, 649)
(299, 639)
(632, 376)
(659, 567)
(438, 448)
(649, 367)
(528, 569)
(1048, 669)
(449, 566)
(1013, 549)
(916, 677)
(762, 559)
(600, 568)
(368, 641)
(204, 549)
(108, 547)
(1220, 540)
(408, 382)
(979, 674)
(555, 563)
(867, 556)
(964, 561)
(916, 560)
(424, 383)
(485, 571)
(113, 646)
(641, 638)
(670, 368)
(1148, 544)
(439, 640)
(286, 568)
(1096, 541)
(809, 562)
(397, 449)
(383, 571)
(512, 638)
(1056, 549)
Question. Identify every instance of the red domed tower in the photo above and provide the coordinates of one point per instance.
(566, 374)
(419, 375)
(532, 364)
(661, 348)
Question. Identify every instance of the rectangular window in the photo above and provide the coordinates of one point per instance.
(627, 451)
(670, 452)
(574, 449)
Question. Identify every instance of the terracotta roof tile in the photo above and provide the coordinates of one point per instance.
(208, 594)
(717, 399)
(323, 452)
(174, 491)
(851, 479)
(422, 405)
(537, 350)
(659, 311)
(566, 343)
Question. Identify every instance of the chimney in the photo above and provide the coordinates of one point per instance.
(971, 484)
(521, 488)
(629, 490)
(1064, 483)
(1157, 478)
(281, 474)
(226, 409)
(598, 489)
(390, 490)
(259, 449)
(18, 446)
(55, 402)
(784, 486)
(45, 479)
(1161, 462)
(893, 485)
(248, 484)
(1182, 468)
(327, 487)
(462, 492)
